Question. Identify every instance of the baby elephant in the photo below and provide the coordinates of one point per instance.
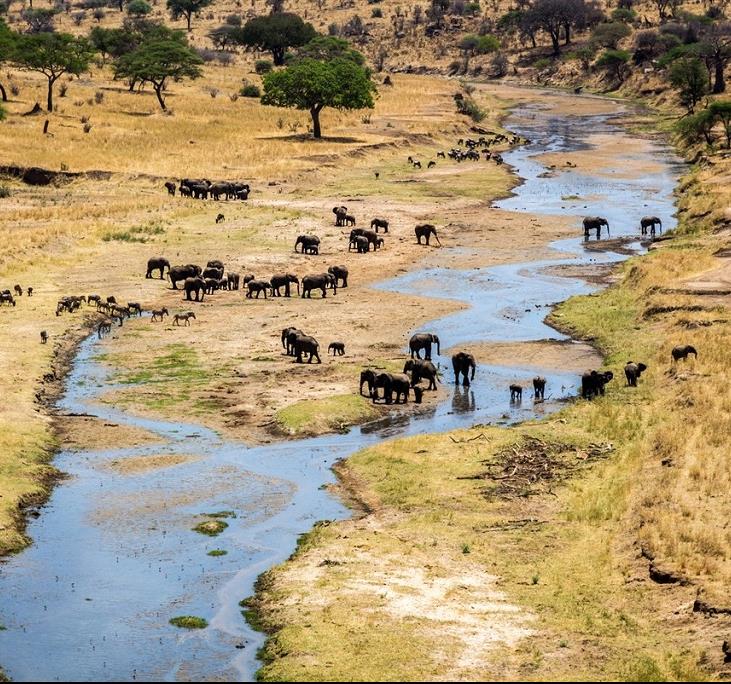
(633, 371)
(683, 351)
(516, 393)
(44, 337)
(539, 388)
(336, 348)
(220, 218)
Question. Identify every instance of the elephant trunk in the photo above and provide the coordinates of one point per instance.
(436, 339)
(474, 368)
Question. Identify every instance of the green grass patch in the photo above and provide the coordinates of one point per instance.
(189, 622)
(211, 528)
(325, 415)
(217, 552)
(220, 515)
(135, 234)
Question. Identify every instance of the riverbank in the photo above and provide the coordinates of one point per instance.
(606, 566)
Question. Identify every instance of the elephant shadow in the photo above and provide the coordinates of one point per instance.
(463, 400)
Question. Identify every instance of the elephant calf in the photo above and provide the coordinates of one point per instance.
(683, 351)
(632, 372)
(422, 369)
(539, 388)
(516, 393)
(592, 383)
(336, 348)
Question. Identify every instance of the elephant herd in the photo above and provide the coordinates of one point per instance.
(198, 282)
(202, 188)
(648, 224)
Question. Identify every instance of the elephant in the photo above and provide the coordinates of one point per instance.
(199, 190)
(319, 281)
(367, 377)
(361, 244)
(650, 222)
(156, 263)
(212, 284)
(44, 337)
(592, 383)
(682, 352)
(213, 272)
(291, 338)
(195, 284)
(307, 242)
(595, 223)
(178, 273)
(339, 273)
(218, 189)
(234, 281)
(170, 187)
(422, 369)
(372, 238)
(426, 230)
(336, 348)
(516, 394)
(340, 214)
(392, 383)
(632, 372)
(539, 388)
(423, 341)
(304, 344)
(377, 223)
(379, 243)
(283, 280)
(258, 286)
(462, 363)
(216, 263)
(349, 220)
(248, 278)
(285, 337)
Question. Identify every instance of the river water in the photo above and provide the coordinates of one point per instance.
(114, 556)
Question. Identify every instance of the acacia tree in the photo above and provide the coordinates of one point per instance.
(53, 55)
(7, 44)
(313, 84)
(721, 111)
(555, 17)
(472, 45)
(155, 61)
(690, 77)
(276, 33)
(187, 8)
(664, 5)
(716, 48)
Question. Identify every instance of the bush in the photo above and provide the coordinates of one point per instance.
(78, 18)
(250, 90)
(233, 20)
(468, 107)
(4, 191)
(377, 13)
(542, 63)
(689, 77)
(263, 66)
(609, 35)
(626, 16)
(138, 8)
(615, 63)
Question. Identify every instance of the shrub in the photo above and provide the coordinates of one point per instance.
(78, 17)
(615, 63)
(468, 107)
(608, 35)
(233, 20)
(626, 16)
(542, 63)
(138, 8)
(689, 77)
(250, 90)
(189, 622)
(99, 97)
(263, 66)
(4, 191)
(377, 13)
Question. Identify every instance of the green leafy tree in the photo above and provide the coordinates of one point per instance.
(608, 35)
(7, 45)
(716, 48)
(697, 127)
(53, 55)
(689, 76)
(312, 85)
(138, 8)
(187, 8)
(472, 45)
(615, 63)
(720, 110)
(158, 60)
(276, 33)
(330, 47)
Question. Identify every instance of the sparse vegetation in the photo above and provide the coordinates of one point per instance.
(189, 622)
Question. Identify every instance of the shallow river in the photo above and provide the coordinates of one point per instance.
(114, 556)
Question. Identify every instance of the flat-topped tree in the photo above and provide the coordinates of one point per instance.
(276, 33)
(187, 8)
(156, 60)
(53, 55)
(340, 81)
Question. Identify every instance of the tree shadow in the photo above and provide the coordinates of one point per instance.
(307, 137)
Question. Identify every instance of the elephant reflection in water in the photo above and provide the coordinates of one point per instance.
(463, 400)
